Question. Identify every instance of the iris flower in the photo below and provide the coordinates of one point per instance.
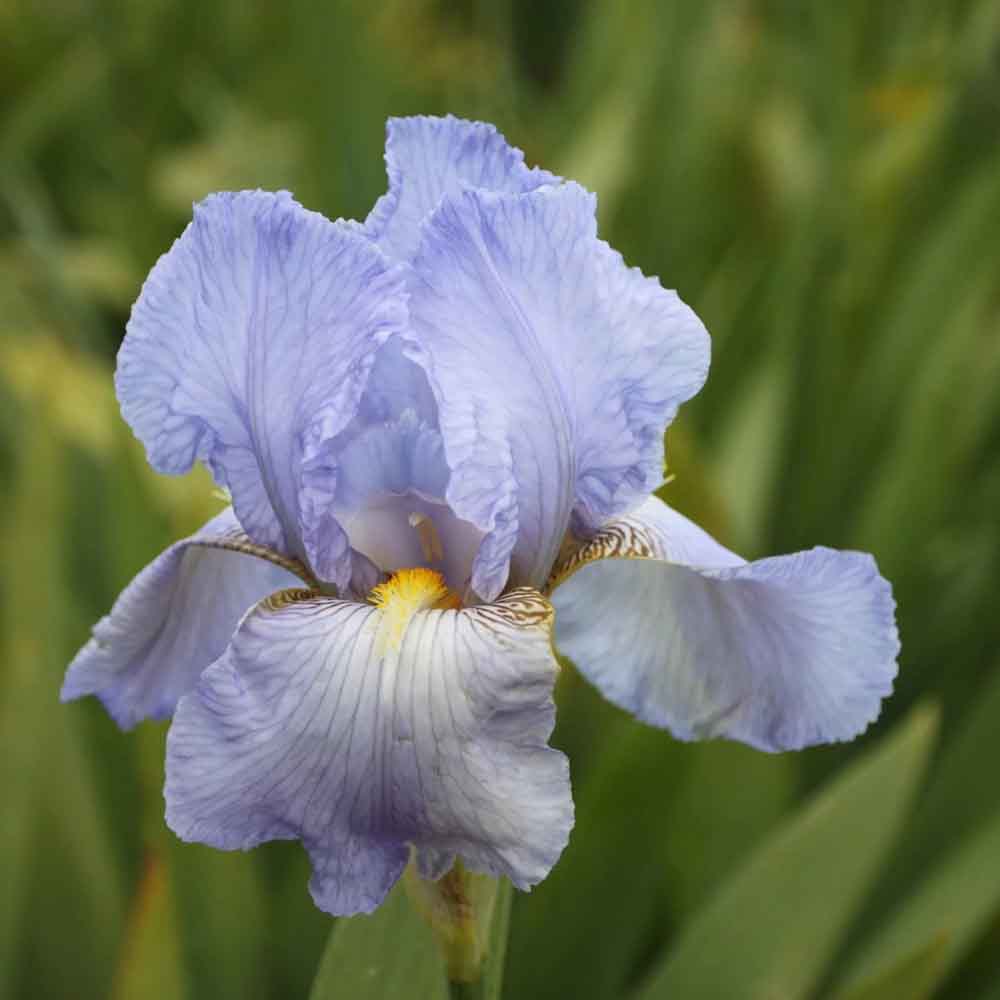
(441, 431)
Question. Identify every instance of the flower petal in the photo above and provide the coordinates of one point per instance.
(427, 158)
(781, 653)
(312, 725)
(392, 478)
(173, 620)
(392, 446)
(554, 366)
(249, 348)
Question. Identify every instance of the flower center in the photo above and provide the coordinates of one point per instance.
(399, 531)
(404, 594)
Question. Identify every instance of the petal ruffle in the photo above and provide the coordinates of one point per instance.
(555, 368)
(780, 653)
(173, 620)
(427, 158)
(313, 726)
(249, 348)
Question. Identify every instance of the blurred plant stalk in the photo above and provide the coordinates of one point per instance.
(459, 908)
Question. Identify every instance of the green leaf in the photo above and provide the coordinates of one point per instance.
(772, 928)
(393, 953)
(681, 836)
(390, 954)
(151, 962)
(496, 954)
(961, 792)
(991, 993)
(561, 939)
(913, 977)
(728, 797)
(958, 800)
(61, 890)
(957, 900)
(221, 916)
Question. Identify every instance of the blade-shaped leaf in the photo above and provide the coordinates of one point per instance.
(61, 891)
(958, 800)
(957, 899)
(961, 792)
(151, 961)
(912, 978)
(496, 953)
(772, 927)
(221, 915)
(728, 798)
(562, 940)
(391, 953)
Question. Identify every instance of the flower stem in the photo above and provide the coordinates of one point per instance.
(459, 908)
(466, 991)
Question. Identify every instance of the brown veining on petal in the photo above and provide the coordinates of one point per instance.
(283, 598)
(523, 607)
(625, 538)
(235, 540)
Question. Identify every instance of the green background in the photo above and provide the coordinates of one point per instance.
(821, 181)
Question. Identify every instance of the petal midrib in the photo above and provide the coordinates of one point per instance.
(561, 418)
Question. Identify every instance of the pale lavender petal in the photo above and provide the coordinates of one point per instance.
(427, 158)
(392, 477)
(392, 446)
(313, 726)
(402, 531)
(555, 369)
(173, 620)
(780, 653)
(249, 348)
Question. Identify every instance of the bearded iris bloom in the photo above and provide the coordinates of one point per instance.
(441, 431)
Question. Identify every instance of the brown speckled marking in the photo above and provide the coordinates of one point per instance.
(283, 598)
(623, 539)
(522, 607)
(237, 541)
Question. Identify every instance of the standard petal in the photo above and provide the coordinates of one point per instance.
(313, 726)
(555, 369)
(780, 653)
(427, 158)
(249, 348)
(392, 477)
(173, 620)
(392, 446)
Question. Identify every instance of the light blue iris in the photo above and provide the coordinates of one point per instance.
(472, 382)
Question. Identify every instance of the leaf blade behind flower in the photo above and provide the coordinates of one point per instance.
(496, 954)
(955, 901)
(803, 884)
(391, 953)
(914, 977)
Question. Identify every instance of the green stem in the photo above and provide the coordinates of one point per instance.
(459, 908)
(466, 991)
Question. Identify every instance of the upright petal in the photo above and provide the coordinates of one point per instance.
(781, 653)
(173, 620)
(317, 724)
(427, 158)
(249, 348)
(392, 477)
(554, 366)
(392, 446)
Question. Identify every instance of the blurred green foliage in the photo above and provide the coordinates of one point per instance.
(822, 182)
